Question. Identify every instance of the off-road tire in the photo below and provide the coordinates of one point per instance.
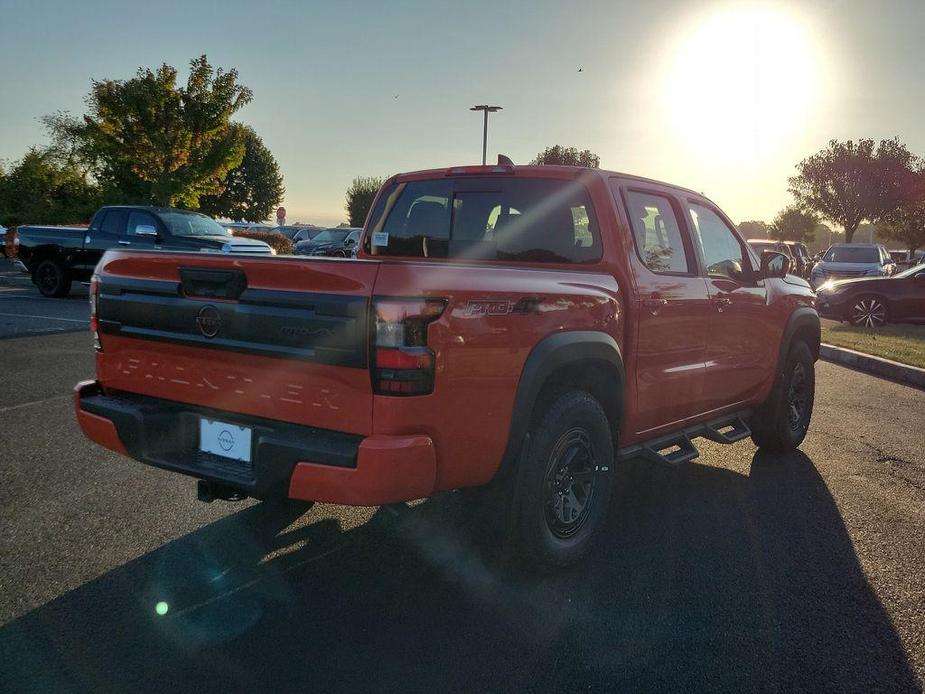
(570, 459)
(781, 423)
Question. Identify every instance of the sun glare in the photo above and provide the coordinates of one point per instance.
(741, 82)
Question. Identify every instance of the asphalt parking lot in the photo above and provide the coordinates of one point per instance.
(740, 572)
(23, 311)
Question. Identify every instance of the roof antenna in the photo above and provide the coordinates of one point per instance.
(504, 161)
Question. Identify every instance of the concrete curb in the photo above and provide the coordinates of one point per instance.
(885, 368)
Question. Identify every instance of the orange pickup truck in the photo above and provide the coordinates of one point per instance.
(520, 328)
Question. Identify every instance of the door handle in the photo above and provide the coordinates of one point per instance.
(125, 243)
(654, 304)
(721, 302)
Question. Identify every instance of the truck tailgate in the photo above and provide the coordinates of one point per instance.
(279, 338)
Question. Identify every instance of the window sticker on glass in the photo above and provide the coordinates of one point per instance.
(381, 238)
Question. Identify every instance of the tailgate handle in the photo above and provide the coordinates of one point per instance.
(212, 284)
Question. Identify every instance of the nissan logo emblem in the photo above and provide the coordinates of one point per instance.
(225, 440)
(209, 321)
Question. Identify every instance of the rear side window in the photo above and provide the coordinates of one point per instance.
(517, 220)
(656, 233)
(114, 222)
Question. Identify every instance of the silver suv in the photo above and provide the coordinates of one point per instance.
(845, 260)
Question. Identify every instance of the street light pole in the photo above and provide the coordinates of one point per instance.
(485, 109)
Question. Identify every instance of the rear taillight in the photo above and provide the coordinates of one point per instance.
(94, 306)
(402, 362)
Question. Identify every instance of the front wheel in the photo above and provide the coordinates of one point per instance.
(52, 279)
(781, 423)
(868, 312)
(566, 479)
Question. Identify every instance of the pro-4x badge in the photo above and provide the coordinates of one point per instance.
(503, 307)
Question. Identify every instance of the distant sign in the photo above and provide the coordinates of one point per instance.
(280, 215)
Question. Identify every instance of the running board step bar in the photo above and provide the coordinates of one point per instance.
(678, 448)
(728, 430)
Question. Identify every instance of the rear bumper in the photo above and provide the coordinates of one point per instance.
(288, 460)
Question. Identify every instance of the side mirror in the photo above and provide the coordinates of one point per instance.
(350, 242)
(145, 230)
(774, 264)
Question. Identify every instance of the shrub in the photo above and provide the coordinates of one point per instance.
(278, 242)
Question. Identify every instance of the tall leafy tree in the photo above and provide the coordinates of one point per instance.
(152, 137)
(253, 188)
(41, 189)
(850, 182)
(360, 196)
(754, 229)
(568, 156)
(906, 224)
(794, 224)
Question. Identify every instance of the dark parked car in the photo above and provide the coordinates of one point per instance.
(306, 234)
(298, 233)
(874, 301)
(341, 243)
(57, 256)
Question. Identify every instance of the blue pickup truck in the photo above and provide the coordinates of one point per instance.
(57, 256)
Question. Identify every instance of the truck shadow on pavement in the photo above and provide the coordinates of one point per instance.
(705, 579)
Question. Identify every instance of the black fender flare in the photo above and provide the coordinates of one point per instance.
(547, 356)
(803, 319)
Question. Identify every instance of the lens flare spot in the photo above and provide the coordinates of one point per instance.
(161, 608)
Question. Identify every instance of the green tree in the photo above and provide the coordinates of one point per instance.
(754, 229)
(151, 137)
(360, 196)
(906, 224)
(41, 189)
(849, 182)
(252, 189)
(794, 224)
(568, 156)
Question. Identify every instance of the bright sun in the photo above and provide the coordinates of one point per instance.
(742, 82)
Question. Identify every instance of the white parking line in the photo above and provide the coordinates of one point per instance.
(26, 315)
(35, 402)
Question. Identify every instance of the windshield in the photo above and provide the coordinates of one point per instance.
(915, 269)
(331, 236)
(852, 254)
(192, 224)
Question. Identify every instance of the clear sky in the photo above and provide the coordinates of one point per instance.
(724, 97)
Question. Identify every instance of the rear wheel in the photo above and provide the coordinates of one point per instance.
(566, 477)
(868, 312)
(781, 423)
(52, 279)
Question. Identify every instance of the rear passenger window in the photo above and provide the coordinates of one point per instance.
(114, 222)
(517, 220)
(656, 232)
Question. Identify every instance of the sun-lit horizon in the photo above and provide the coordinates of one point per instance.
(723, 97)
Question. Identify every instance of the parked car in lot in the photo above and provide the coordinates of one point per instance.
(3, 241)
(849, 260)
(292, 232)
(800, 254)
(871, 302)
(499, 330)
(341, 242)
(762, 245)
(306, 234)
(58, 256)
